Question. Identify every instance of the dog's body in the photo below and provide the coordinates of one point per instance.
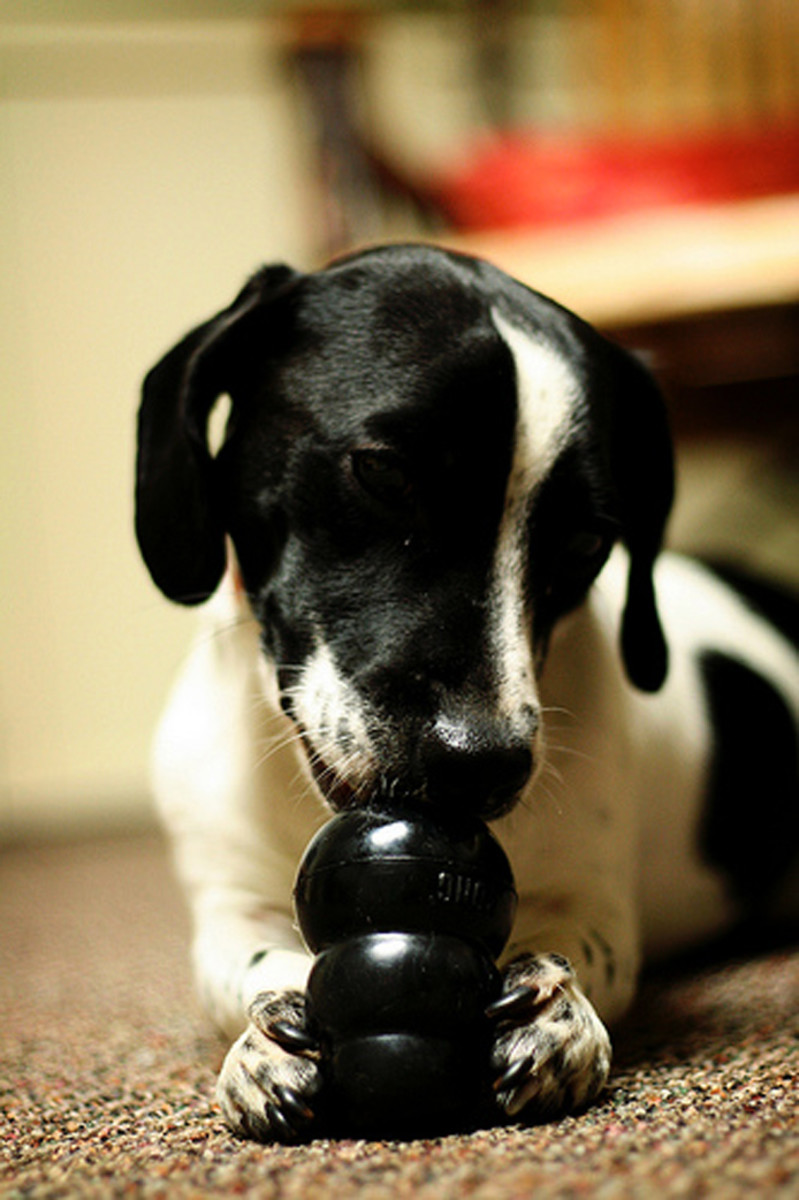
(445, 498)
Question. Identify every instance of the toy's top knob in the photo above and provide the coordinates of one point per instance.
(408, 872)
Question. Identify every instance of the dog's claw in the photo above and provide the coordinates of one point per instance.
(287, 1115)
(291, 1038)
(280, 1128)
(514, 1074)
(520, 1001)
(294, 1107)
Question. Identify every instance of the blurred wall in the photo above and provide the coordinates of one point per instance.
(147, 166)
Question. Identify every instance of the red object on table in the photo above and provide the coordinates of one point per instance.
(519, 179)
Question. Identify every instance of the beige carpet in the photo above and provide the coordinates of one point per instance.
(107, 1069)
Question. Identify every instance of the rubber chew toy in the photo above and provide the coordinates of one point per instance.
(406, 916)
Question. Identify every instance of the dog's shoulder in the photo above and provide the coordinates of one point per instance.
(734, 651)
(709, 762)
(750, 678)
(775, 602)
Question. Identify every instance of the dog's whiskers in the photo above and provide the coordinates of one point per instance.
(573, 752)
(222, 630)
(557, 710)
(277, 746)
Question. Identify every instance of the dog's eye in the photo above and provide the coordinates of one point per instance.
(384, 476)
(584, 552)
(586, 545)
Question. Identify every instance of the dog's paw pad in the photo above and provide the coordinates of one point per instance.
(551, 1052)
(270, 1079)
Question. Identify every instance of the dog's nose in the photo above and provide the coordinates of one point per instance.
(474, 765)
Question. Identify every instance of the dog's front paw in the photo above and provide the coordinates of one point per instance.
(551, 1053)
(270, 1077)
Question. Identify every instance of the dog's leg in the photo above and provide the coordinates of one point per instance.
(572, 964)
(251, 972)
(270, 1077)
(239, 810)
(551, 1051)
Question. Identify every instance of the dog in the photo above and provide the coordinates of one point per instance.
(430, 556)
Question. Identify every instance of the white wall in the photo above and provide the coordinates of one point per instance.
(145, 169)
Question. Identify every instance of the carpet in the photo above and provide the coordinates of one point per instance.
(107, 1069)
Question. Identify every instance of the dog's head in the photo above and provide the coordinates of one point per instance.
(426, 465)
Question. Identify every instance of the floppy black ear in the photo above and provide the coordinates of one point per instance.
(643, 471)
(179, 524)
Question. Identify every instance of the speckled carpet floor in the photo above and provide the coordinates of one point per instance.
(107, 1069)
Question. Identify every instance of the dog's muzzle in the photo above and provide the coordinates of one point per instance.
(462, 759)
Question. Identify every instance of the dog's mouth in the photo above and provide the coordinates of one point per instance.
(489, 783)
(338, 792)
(342, 794)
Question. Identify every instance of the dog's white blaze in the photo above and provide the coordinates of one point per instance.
(546, 401)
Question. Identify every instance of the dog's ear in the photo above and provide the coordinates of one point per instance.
(179, 525)
(642, 467)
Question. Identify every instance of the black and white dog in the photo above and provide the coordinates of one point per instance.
(432, 541)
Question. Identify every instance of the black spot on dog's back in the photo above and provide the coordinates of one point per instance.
(751, 822)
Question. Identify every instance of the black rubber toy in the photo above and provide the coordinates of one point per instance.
(406, 915)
